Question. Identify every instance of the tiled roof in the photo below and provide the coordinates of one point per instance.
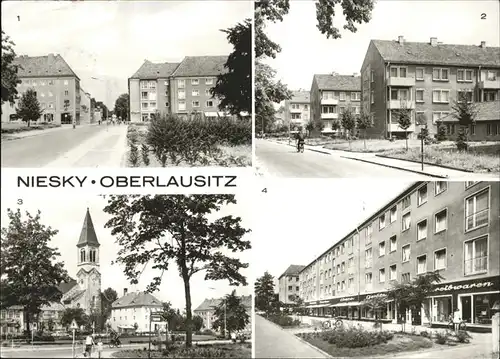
(136, 299)
(66, 286)
(150, 70)
(301, 97)
(486, 111)
(88, 235)
(201, 66)
(53, 306)
(293, 269)
(43, 66)
(74, 295)
(338, 82)
(425, 53)
(211, 303)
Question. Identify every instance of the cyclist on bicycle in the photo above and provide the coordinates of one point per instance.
(89, 343)
(456, 319)
(300, 139)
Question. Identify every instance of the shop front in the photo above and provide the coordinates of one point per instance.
(474, 299)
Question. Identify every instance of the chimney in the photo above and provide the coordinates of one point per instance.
(125, 290)
(483, 44)
(401, 39)
(434, 41)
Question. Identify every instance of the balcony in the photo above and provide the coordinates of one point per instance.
(490, 84)
(401, 81)
(329, 116)
(394, 127)
(329, 101)
(476, 265)
(295, 110)
(398, 104)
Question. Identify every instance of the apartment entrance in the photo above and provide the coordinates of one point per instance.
(465, 302)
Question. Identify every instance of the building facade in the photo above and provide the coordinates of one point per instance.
(11, 321)
(289, 284)
(57, 88)
(297, 110)
(206, 310)
(331, 95)
(85, 108)
(131, 312)
(452, 227)
(426, 79)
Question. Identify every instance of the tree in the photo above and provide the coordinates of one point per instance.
(197, 323)
(335, 125)
(310, 126)
(28, 108)
(108, 296)
(161, 229)
(376, 304)
(404, 119)
(264, 292)
(348, 121)
(30, 271)
(10, 80)
(230, 315)
(441, 132)
(76, 314)
(234, 87)
(51, 324)
(364, 122)
(121, 106)
(465, 111)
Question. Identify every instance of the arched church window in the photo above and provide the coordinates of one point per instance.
(92, 255)
(82, 255)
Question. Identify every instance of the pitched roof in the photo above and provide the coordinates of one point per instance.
(486, 111)
(211, 303)
(300, 97)
(66, 286)
(53, 306)
(150, 70)
(136, 299)
(425, 53)
(338, 82)
(293, 269)
(88, 236)
(43, 66)
(201, 66)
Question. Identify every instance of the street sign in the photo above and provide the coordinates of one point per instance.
(74, 325)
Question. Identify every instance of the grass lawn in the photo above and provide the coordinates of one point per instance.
(236, 350)
(400, 343)
(372, 145)
(16, 127)
(479, 159)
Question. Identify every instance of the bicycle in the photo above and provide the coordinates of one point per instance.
(462, 325)
(115, 343)
(333, 323)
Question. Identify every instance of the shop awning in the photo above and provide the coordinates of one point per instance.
(316, 306)
(349, 304)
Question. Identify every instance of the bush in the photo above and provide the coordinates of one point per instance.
(133, 154)
(284, 321)
(461, 141)
(355, 337)
(424, 334)
(441, 132)
(441, 338)
(463, 336)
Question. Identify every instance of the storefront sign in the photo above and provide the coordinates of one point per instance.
(475, 285)
(379, 295)
(348, 299)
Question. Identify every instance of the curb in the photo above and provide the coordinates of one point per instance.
(426, 163)
(395, 167)
(310, 149)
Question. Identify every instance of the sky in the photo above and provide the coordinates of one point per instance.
(299, 220)
(67, 216)
(109, 40)
(305, 51)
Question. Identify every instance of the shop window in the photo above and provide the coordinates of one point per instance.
(482, 308)
(441, 309)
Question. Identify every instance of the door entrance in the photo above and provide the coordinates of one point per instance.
(466, 308)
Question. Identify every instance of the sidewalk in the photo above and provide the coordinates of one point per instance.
(369, 157)
(24, 134)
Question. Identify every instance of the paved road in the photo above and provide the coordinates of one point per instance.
(280, 160)
(273, 342)
(85, 146)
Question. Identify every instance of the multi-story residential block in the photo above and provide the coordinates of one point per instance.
(425, 78)
(206, 310)
(131, 312)
(297, 109)
(452, 227)
(57, 88)
(289, 284)
(11, 321)
(331, 94)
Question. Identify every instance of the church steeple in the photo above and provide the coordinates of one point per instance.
(88, 245)
(88, 236)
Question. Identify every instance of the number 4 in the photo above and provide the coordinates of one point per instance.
(264, 190)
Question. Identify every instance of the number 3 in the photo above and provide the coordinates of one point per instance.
(20, 202)
(483, 16)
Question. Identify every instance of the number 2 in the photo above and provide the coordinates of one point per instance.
(483, 16)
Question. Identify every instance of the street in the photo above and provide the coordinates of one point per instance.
(57, 352)
(279, 160)
(274, 342)
(85, 146)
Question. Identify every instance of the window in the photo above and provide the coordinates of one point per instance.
(476, 255)
(405, 253)
(398, 72)
(195, 93)
(290, 287)
(195, 81)
(440, 259)
(437, 116)
(181, 83)
(342, 248)
(350, 265)
(422, 195)
(338, 286)
(181, 94)
(166, 104)
(400, 94)
(406, 222)
(472, 129)
(342, 96)
(182, 105)
(394, 214)
(422, 264)
(477, 210)
(328, 109)
(419, 95)
(342, 267)
(368, 258)
(338, 268)
(355, 96)
(196, 103)
(381, 221)
(372, 96)
(51, 105)
(441, 96)
(492, 129)
(405, 277)
(368, 278)
(144, 95)
(406, 202)
(491, 76)
(440, 74)
(342, 285)
(144, 105)
(440, 186)
(350, 283)
(393, 274)
(381, 249)
(464, 94)
(152, 84)
(210, 104)
(419, 73)
(464, 75)
(393, 244)
(82, 255)
(381, 275)
(209, 81)
(369, 231)
(440, 220)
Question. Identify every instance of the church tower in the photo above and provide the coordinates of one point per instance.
(89, 276)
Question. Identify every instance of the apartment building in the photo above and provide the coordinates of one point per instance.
(11, 321)
(297, 109)
(331, 94)
(206, 310)
(425, 78)
(57, 88)
(288, 283)
(452, 227)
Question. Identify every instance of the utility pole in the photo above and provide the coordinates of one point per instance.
(225, 321)
(149, 349)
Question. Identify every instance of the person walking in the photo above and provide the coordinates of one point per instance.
(456, 319)
(89, 343)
